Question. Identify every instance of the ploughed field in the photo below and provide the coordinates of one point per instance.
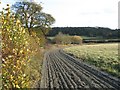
(62, 71)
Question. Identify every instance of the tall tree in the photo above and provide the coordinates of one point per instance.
(31, 15)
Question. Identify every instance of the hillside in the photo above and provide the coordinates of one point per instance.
(86, 31)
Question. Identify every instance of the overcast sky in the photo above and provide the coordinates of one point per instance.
(80, 13)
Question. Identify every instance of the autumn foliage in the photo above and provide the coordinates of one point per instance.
(76, 39)
(17, 50)
(67, 39)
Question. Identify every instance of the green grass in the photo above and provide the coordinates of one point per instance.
(103, 56)
(86, 37)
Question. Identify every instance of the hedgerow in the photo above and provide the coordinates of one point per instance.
(18, 52)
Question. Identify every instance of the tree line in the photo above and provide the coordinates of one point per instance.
(86, 31)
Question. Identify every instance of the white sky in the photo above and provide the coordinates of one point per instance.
(80, 13)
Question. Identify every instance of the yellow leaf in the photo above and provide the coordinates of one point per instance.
(21, 51)
(17, 86)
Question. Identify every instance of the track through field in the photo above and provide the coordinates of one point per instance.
(62, 71)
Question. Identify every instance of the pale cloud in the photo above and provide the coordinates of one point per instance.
(5, 2)
(83, 12)
(2, 5)
(102, 13)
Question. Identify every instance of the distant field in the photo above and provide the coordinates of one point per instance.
(94, 39)
(84, 37)
(104, 56)
(51, 38)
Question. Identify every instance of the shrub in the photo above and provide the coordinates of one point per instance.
(76, 39)
(62, 39)
(66, 39)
